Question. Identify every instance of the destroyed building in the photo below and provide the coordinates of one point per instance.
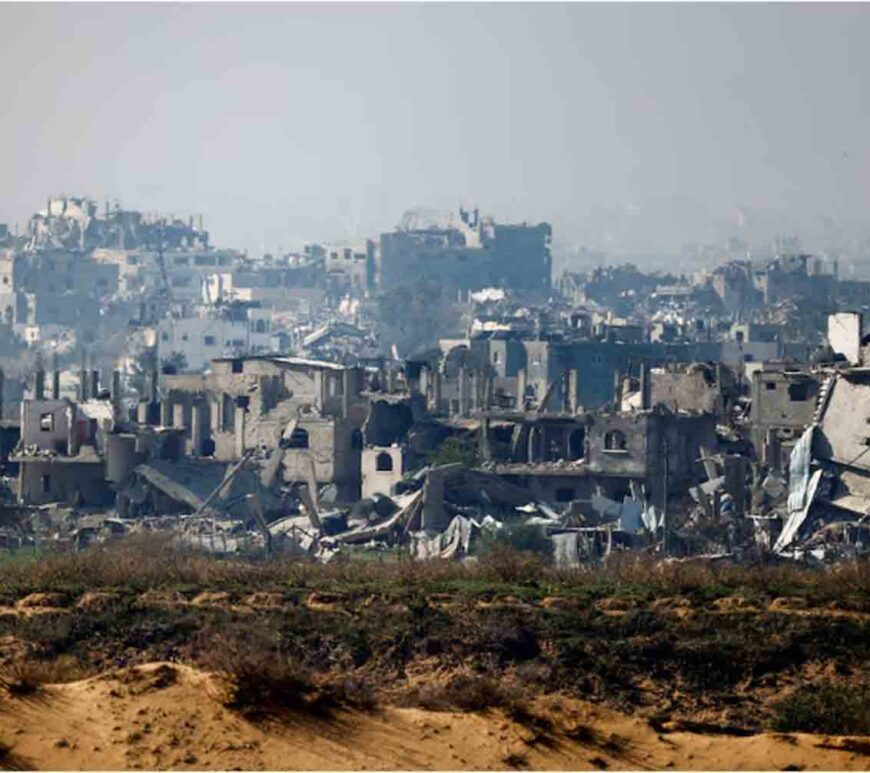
(471, 254)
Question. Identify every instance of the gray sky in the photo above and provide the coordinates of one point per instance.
(643, 125)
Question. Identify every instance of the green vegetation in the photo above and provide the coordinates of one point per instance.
(841, 709)
(292, 635)
(461, 449)
(524, 538)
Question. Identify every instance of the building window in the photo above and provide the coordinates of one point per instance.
(384, 462)
(184, 336)
(164, 336)
(356, 440)
(798, 392)
(564, 494)
(46, 484)
(237, 364)
(299, 439)
(46, 422)
(615, 440)
(209, 341)
(770, 384)
(577, 443)
(495, 358)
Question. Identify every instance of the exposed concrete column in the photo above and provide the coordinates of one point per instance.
(154, 382)
(240, 430)
(425, 383)
(166, 412)
(197, 423)
(320, 389)
(485, 450)
(72, 441)
(55, 378)
(116, 389)
(217, 407)
(573, 390)
(142, 410)
(39, 388)
(521, 389)
(463, 392)
(345, 392)
(95, 383)
(475, 390)
(436, 392)
(645, 396)
(83, 385)
(178, 415)
(532, 448)
(773, 450)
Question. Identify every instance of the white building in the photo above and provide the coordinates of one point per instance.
(202, 339)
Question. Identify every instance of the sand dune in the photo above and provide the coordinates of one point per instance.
(171, 716)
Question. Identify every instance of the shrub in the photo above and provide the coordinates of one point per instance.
(464, 692)
(27, 677)
(523, 538)
(827, 708)
(259, 677)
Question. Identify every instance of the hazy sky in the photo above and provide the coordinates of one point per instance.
(650, 125)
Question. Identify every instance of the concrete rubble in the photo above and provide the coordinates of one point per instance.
(429, 392)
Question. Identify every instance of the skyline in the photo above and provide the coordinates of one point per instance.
(631, 125)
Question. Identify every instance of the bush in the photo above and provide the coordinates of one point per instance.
(259, 677)
(459, 449)
(27, 677)
(523, 538)
(464, 692)
(827, 708)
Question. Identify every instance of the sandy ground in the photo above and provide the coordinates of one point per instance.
(170, 716)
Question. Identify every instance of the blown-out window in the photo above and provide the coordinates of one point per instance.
(615, 440)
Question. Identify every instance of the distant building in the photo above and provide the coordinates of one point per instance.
(474, 254)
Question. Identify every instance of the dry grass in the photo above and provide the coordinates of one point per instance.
(28, 677)
(146, 562)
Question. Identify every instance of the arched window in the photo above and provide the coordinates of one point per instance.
(577, 443)
(356, 440)
(615, 440)
(299, 439)
(384, 462)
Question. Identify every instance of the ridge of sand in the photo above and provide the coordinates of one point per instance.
(166, 715)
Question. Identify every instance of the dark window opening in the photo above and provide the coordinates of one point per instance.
(384, 462)
(46, 484)
(356, 440)
(799, 391)
(299, 439)
(770, 384)
(615, 440)
(564, 494)
(237, 366)
(577, 443)
(46, 422)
